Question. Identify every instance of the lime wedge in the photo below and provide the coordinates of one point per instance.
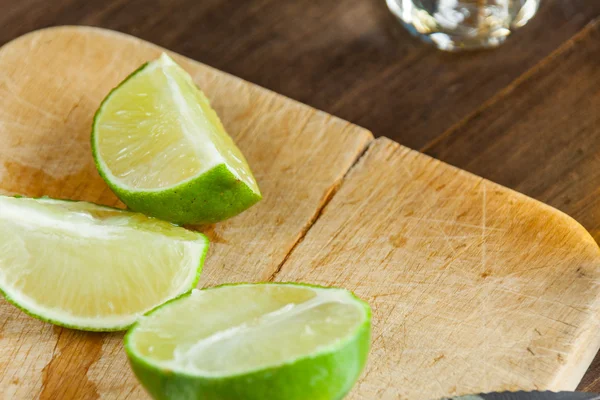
(91, 267)
(252, 341)
(162, 149)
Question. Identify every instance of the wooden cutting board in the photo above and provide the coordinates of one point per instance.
(474, 287)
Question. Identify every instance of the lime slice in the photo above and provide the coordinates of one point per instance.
(162, 149)
(91, 267)
(252, 341)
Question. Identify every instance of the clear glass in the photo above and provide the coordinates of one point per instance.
(463, 24)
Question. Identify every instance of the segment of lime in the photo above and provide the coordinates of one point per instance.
(252, 341)
(90, 267)
(164, 152)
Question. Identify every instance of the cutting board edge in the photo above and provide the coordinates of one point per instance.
(573, 372)
(110, 32)
(575, 225)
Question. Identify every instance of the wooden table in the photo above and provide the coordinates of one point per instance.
(526, 115)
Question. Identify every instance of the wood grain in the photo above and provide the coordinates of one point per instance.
(350, 58)
(474, 287)
(51, 82)
(554, 136)
(557, 126)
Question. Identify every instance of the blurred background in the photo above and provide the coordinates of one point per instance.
(350, 58)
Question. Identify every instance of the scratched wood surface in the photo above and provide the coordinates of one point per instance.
(540, 136)
(552, 112)
(51, 82)
(463, 275)
(474, 287)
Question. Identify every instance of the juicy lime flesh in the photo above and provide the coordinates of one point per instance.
(84, 264)
(235, 329)
(158, 129)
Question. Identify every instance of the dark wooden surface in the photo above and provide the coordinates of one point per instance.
(526, 115)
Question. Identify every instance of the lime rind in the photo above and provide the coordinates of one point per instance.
(197, 201)
(296, 379)
(214, 194)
